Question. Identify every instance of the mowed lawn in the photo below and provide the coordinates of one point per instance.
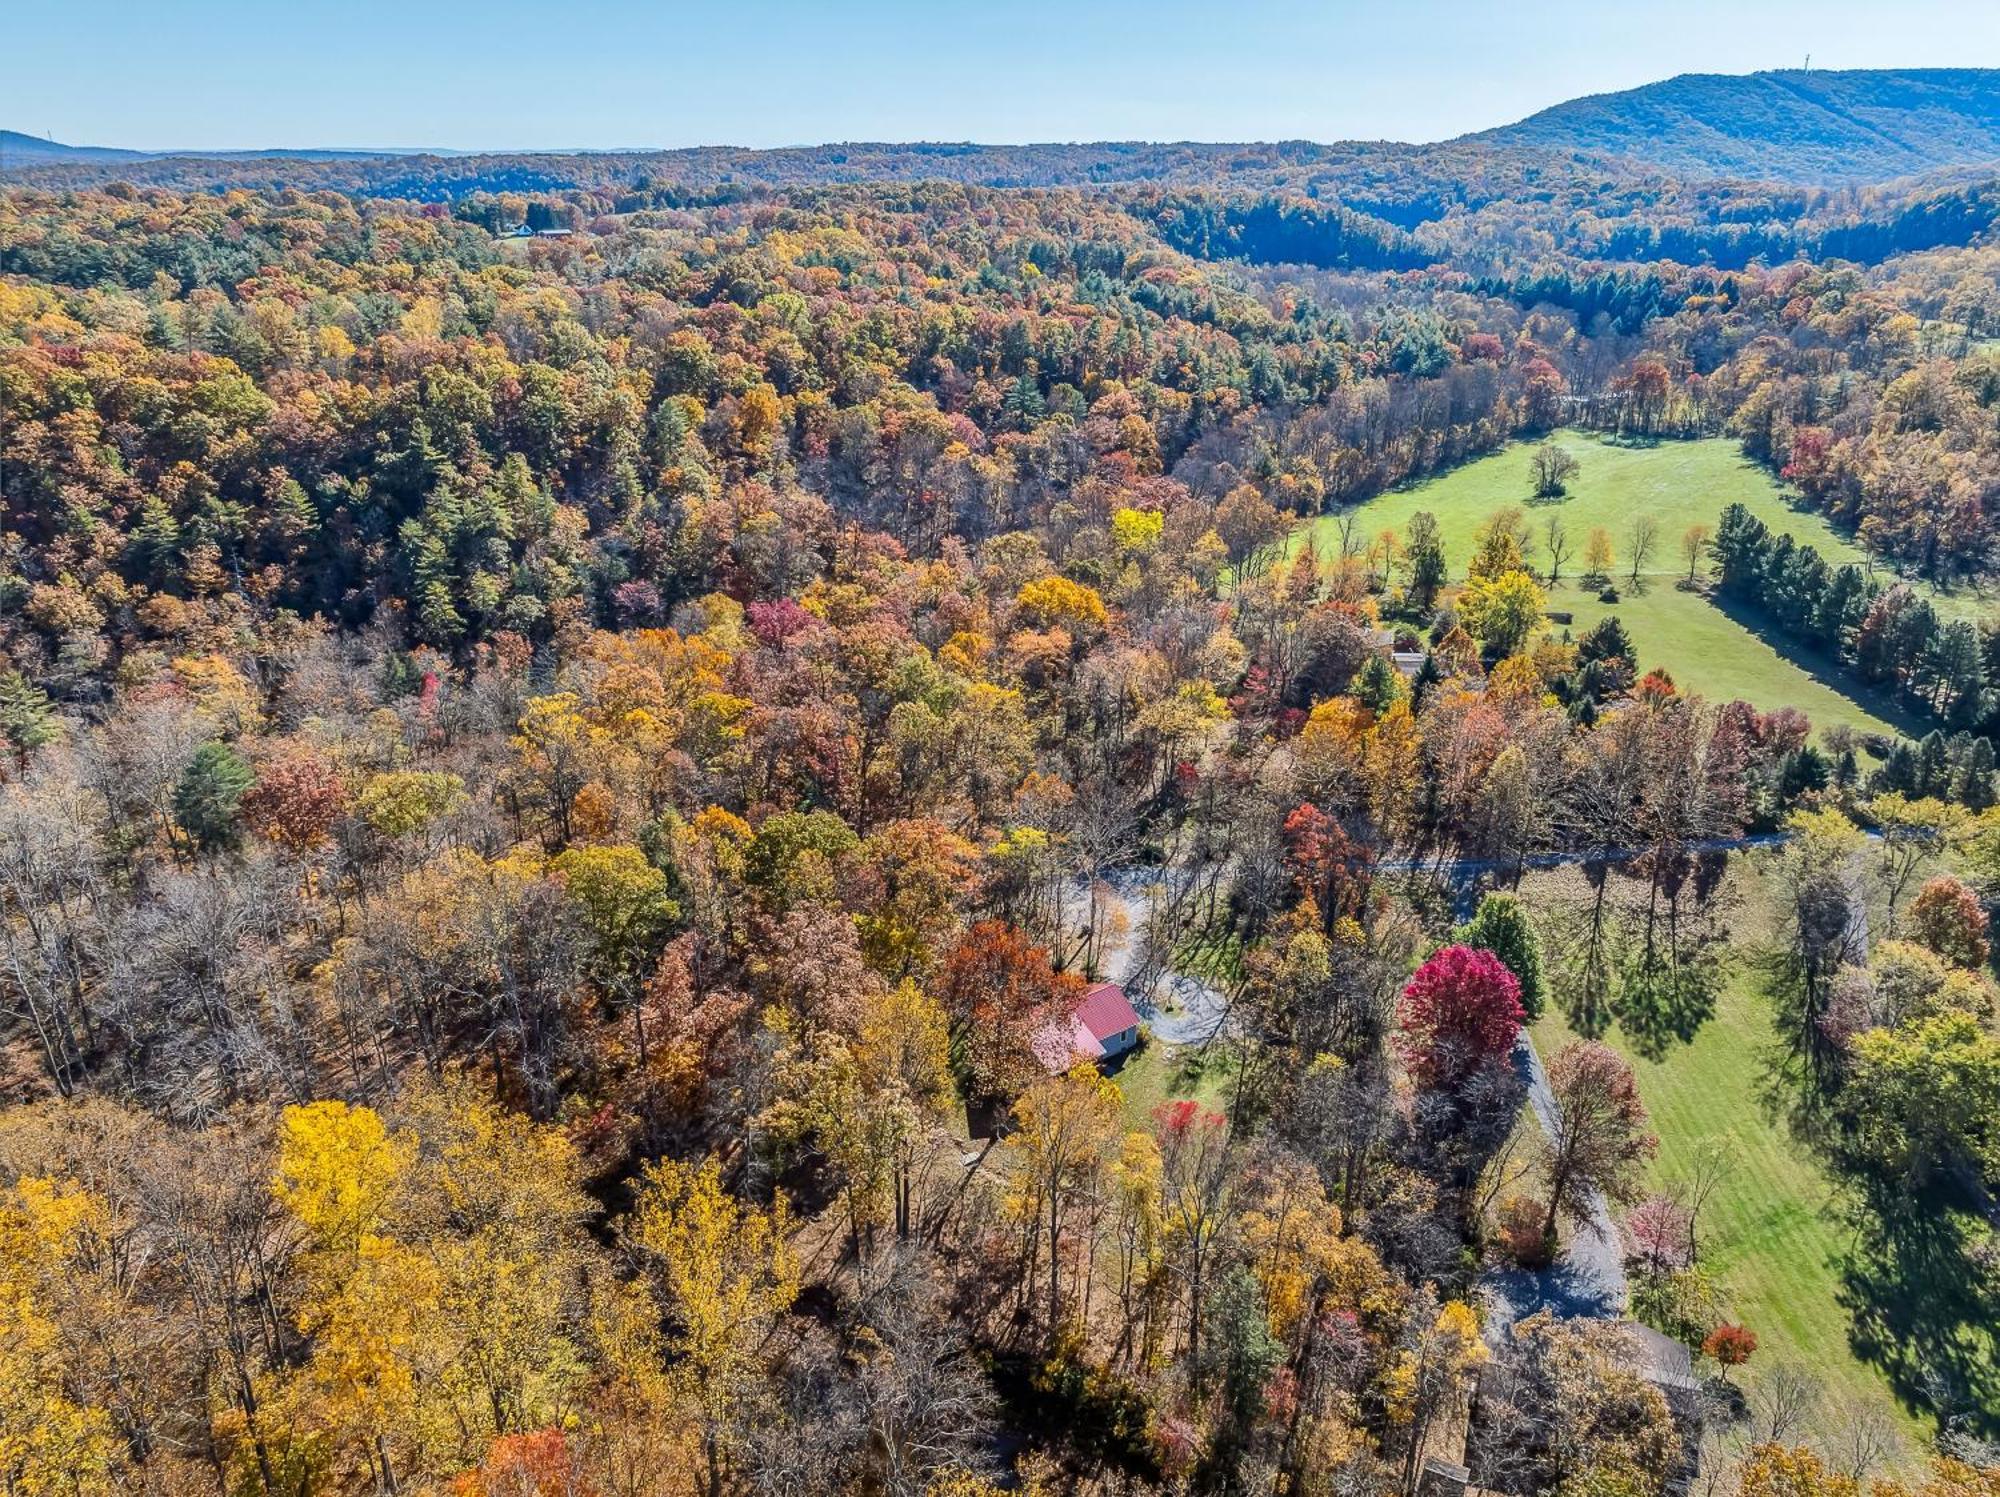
(1679, 484)
(1772, 1234)
(1158, 1072)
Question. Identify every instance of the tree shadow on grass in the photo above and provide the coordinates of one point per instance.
(1923, 1306)
(1664, 1014)
(1830, 674)
(1588, 1016)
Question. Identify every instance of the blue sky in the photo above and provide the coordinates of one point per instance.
(506, 74)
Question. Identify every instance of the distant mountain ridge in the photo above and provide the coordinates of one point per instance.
(1791, 125)
(17, 148)
(1794, 126)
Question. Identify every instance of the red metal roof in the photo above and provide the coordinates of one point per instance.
(1105, 1010)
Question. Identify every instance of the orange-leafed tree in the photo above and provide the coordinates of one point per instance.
(999, 992)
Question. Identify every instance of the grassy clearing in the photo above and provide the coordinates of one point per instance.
(1707, 651)
(1214, 954)
(1772, 1235)
(1679, 484)
(1157, 1073)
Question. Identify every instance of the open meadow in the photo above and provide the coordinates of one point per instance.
(1679, 484)
(1776, 1234)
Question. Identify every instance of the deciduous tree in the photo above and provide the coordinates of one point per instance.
(1597, 1141)
(1460, 1010)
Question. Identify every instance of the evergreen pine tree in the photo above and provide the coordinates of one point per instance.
(1378, 685)
(1975, 776)
(1934, 766)
(1424, 567)
(211, 790)
(1428, 675)
(26, 719)
(1898, 772)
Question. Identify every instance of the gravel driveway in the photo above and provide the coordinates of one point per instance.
(1588, 1276)
(1178, 1009)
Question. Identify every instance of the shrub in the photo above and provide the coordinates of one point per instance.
(1521, 1234)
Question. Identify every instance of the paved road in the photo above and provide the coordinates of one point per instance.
(1588, 1276)
(1472, 866)
(1857, 907)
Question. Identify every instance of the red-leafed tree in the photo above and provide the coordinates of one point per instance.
(541, 1463)
(1461, 1009)
(1655, 687)
(1543, 388)
(1730, 1345)
(1660, 1228)
(1947, 917)
(1597, 1141)
(1327, 865)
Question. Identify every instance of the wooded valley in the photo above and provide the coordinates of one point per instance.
(596, 746)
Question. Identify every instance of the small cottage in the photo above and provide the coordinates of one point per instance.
(1103, 1025)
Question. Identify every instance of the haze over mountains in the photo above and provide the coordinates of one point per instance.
(1788, 126)
(1791, 125)
(17, 148)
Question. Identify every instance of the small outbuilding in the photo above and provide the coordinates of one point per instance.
(1102, 1026)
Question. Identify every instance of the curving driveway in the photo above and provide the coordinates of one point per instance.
(1177, 1008)
(1588, 1275)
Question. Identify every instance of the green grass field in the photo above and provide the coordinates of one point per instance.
(1679, 484)
(1158, 1073)
(1772, 1234)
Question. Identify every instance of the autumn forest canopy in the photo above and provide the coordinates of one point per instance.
(587, 743)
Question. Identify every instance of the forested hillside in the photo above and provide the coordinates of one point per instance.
(17, 149)
(1789, 125)
(580, 749)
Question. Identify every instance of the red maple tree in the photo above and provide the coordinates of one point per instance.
(1460, 1009)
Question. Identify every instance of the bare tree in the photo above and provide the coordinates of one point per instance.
(1786, 1399)
(51, 926)
(1693, 542)
(1709, 1166)
(1644, 534)
(1864, 1440)
(202, 1002)
(1103, 832)
(917, 1382)
(1556, 541)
